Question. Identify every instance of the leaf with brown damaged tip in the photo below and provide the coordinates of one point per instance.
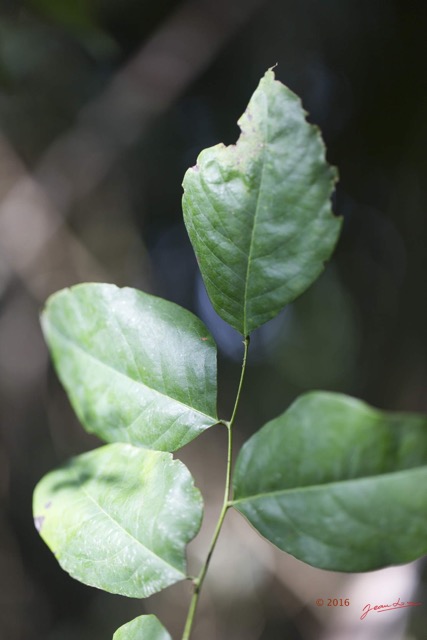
(258, 213)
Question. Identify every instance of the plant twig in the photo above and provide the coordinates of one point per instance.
(198, 582)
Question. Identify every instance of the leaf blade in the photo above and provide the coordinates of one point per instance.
(137, 368)
(258, 213)
(142, 628)
(119, 518)
(335, 482)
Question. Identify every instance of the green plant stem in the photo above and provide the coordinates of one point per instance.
(198, 582)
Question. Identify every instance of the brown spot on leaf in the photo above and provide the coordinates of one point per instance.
(204, 339)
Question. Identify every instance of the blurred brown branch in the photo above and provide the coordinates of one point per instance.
(35, 245)
(33, 209)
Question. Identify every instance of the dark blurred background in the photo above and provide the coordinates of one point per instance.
(103, 106)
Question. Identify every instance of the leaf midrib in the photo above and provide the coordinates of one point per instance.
(118, 372)
(122, 528)
(318, 487)
(254, 221)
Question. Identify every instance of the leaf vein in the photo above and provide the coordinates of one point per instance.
(318, 487)
(120, 373)
(122, 528)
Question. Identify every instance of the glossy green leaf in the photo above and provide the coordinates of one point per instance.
(142, 628)
(258, 213)
(338, 484)
(119, 518)
(137, 368)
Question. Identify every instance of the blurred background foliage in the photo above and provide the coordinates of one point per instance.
(103, 106)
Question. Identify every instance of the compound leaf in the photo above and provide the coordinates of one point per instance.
(142, 628)
(338, 484)
(258, 213)
(137, 368)
(119, 518)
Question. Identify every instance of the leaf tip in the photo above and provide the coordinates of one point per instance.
(270, 75)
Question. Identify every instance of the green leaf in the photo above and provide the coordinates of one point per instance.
(258, 213)
(137, 368)
(338, 484)
(119, 518)
(142, 628)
